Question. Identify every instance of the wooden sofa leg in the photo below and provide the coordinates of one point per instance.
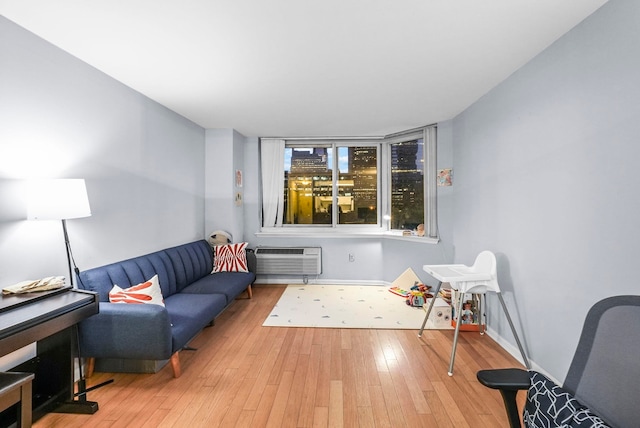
(249, 291)
(91, 365)
(175, 365)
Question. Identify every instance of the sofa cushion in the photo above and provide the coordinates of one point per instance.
(190, 262)
(230, 258)
(231, 284)
(128, 273)
(190, 313)
(147, 292)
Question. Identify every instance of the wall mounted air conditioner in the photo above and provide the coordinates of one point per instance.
(289, 260)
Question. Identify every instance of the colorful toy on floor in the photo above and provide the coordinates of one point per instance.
(424, 289)
(415, 298)
(401, 286)
(409, 286)
(399, 291)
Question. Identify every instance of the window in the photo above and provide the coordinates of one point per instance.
(308, 185)
(407, 186)
(314, 196)
(383, 185)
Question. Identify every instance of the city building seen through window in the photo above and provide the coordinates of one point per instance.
(407, 186)
(358, 185)
(314, 197)
(367, 184)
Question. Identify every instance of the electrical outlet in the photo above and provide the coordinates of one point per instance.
(352, 257)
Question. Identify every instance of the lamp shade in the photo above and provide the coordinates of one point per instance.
(57, 199)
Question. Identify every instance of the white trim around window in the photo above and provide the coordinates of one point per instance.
(275, 176)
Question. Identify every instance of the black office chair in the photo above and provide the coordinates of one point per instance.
(601, 387)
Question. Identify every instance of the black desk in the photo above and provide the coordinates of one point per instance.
(47, 318)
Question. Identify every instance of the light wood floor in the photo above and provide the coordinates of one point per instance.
(246, 375)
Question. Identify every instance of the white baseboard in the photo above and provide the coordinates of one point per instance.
(299, 279)
(515, 353)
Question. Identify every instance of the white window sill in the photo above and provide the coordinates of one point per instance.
(287, 232)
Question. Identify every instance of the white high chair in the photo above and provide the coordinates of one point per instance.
(477, 279)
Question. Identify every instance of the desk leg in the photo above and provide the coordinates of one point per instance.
(455, 336)
(26, 394)
(433, 300)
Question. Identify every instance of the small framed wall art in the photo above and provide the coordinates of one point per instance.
(445, 177)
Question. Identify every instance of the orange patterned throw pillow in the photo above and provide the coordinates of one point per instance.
(146, 292)
(230, 258)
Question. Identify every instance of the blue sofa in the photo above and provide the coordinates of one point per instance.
(143, 337)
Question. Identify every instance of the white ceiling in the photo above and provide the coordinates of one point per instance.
(302, 67)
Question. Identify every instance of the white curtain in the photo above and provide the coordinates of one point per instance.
(272, 165)
(430, 138)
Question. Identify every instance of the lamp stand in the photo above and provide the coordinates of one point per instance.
(68, 250)
(81, 405)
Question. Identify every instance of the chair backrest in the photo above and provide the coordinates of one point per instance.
(605, 372)
(485, 262)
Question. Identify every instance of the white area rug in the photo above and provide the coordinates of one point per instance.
(346, 306)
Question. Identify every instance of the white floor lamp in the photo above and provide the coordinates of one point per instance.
(59, 199)
(64, 199)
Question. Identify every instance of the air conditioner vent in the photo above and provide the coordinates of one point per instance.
(289, 260)
(281, 250)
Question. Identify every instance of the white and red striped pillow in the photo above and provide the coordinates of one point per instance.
(230, 258)
(146, 292)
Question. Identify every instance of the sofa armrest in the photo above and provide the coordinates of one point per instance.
(136, 331)
(508, 382)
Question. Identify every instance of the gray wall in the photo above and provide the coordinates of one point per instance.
(60, 118)
(224, 156)
(546, 177)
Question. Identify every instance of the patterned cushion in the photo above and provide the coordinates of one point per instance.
(549, 405)
(146, 292)
(230, 258)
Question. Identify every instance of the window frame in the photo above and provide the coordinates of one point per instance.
(334, 144)
(382, 226)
